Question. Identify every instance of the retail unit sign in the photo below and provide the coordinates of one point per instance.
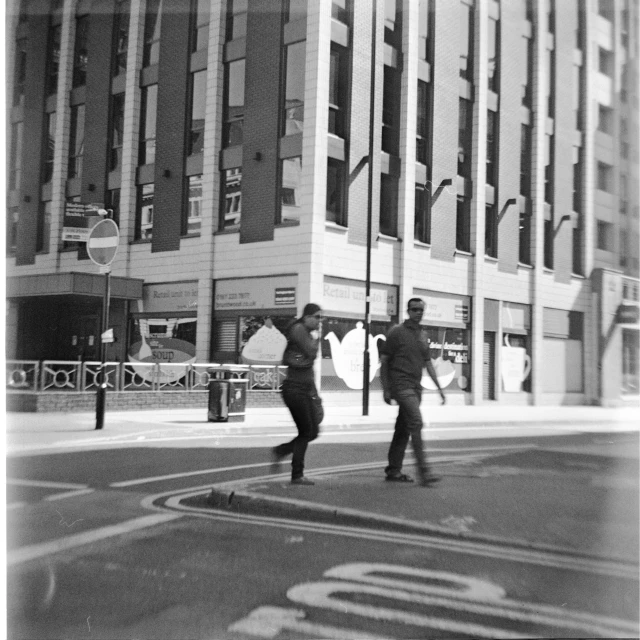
(441, 308)
(342, 296)
(171, 296)
(244, 294)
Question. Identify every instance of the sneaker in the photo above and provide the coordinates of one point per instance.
(302, 480)
(399, 477)
(428, 479)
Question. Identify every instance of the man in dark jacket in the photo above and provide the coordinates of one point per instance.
(404, 355)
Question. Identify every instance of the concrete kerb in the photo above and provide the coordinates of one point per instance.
(236, 497)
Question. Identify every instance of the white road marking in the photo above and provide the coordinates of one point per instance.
(68, 494)
(45, 484)
(32, 552)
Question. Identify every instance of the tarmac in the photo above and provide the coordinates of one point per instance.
(552, 496)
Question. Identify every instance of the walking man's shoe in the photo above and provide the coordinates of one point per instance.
(429, 479)
(276, 460)
(398, 477)
(302, 480)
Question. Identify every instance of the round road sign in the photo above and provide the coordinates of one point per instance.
(103, 242)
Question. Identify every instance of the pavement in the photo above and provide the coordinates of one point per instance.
(577, 497)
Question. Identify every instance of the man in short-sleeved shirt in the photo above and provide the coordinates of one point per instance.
(404, 355)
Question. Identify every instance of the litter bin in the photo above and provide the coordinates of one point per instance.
(227, 395)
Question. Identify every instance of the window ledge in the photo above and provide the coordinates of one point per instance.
(287, 223)
(419, 243)
(547, 270)
(334, 226)
(386, 238)
(462, 252)
(524, 265)
(190, 235)
(578, 276)
(490, 259)
(227, 231)
(141, 241)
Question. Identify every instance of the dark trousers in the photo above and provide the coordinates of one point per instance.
(298, 398)
(408, 425)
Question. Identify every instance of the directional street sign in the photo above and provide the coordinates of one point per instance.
(103, 242)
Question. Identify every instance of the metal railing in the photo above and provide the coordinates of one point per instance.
(67, 376)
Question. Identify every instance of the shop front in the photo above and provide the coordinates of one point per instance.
(251, 316)
(162, 330)
(515, 348)
(447, 327)
(343, 334)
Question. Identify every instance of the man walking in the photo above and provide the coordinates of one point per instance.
(403, 357)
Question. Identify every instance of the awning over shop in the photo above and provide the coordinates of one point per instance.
(79, 284)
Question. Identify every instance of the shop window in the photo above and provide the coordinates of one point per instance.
(144, 212)
(193, 207)
(236, 19)
(20, 71)
(197, 120)
(53, 59)
(465, 115)
(388, 205)
(338, 90)
(153, 17)
(15, 167)
(232, 198)
(80, 52)
(466, 41)
(263, 339)
(450, 356)
(117, 128)
(336, 192)
(50, 148)
(121, 30)
(422, 217)
(630, 355)
(199, 24)
(234, 103)
(291, 180)
(515, 363)
(295, 10)
(148, 126)
(293, 115)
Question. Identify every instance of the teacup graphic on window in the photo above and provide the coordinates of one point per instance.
(515, 366)
(265, 346)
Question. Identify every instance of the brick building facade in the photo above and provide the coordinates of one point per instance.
(233, 142)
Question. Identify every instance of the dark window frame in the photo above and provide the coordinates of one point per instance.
(121, 36)
(80, 52)
(116, 130)
(388, 215)
(338, 215)
(144, 155)
(76, 155)
(195, 141)
(53, 59)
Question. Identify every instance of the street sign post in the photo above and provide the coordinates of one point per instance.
(102, 246)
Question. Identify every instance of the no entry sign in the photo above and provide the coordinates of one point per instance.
(103, 242)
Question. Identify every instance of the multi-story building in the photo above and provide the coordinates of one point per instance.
(257, 155)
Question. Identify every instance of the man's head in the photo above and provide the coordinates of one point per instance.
(415, 309)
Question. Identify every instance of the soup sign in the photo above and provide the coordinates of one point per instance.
(161, 351)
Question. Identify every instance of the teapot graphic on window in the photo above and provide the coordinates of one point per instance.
(348, 356)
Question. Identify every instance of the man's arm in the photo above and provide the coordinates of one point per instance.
(384, 378)
(432, 374)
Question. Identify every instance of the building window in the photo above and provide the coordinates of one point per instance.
(231, 198)
(390, 111)
(577, 179)
(422, 124)
(80, 52)
(551, 16)
(551, 81)
(76, 142)
(548, 169)
(336, 192)
(294, 88)
(193, 221)
(148, 125)
(465, 114)
(388, 205)
(492, 147)
(340, 11)
(144, 212)
(493, 55)
(577, 96)
(527, 72)
(605, 62)
(50, 138)
(605, 119)
(463, 223)
(630, 361)
(117, 126)
(152, 20)
(576, 248)
(112, 201)
(624, 194)
(234, 103)
(20, 71)
(525, 160)
(53, 59)
(491, 231)
(15, 166)
(290, 182)
(295, 10)
(424, 6)
(624, 139)
(198, 103)
(605, 177)
(391, 21)
(236, 19)
(624, 250)
(338, 90)
(43, 231)
(121, 30)
(524, 239)
(199, 24)
(604, 231)
(12, 229)
(422, 216)
(466, 41)
(548, 243)
(606, 9)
